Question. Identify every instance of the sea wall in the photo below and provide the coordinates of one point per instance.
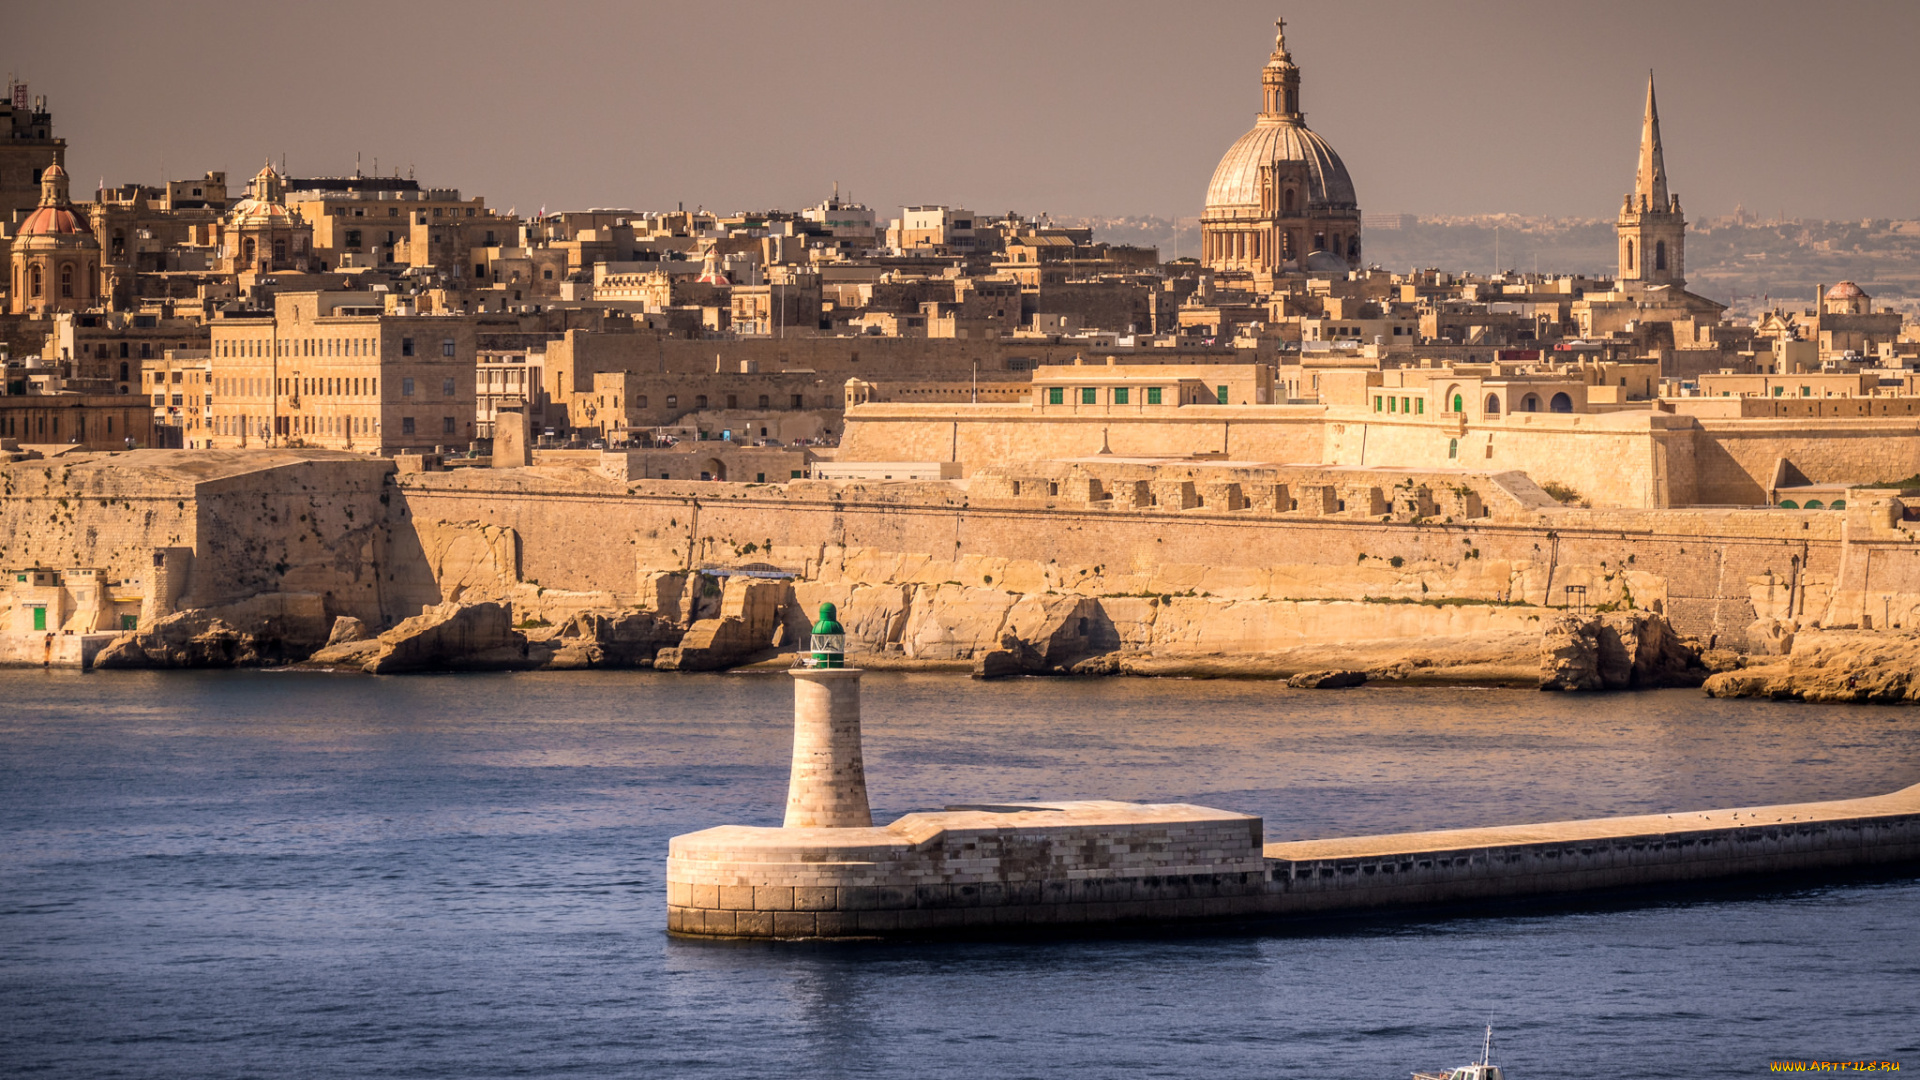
(938, 572)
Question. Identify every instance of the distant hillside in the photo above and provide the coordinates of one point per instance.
(1729, 259)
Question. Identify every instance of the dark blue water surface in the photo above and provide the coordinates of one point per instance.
(294, 875)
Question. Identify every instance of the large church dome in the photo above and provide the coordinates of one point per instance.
(1236, 181)
(1280, 199)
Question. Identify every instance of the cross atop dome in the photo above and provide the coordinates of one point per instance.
(1280, 35)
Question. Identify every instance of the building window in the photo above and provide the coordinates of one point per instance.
(446, 347)
(446, 387)
(1056, 395)
(1119, 395)
(406, 425)
(700, 401)
(799, 402)
(406, 386)
(406, 346)
(1220, 393)
(673, 401)
(1089, 396)
(1377, 403)
(1153, 395)
(446, 425)
(641, 402)
(765, 401)
(1453, 448)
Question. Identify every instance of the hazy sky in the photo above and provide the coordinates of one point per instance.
(1116, 107)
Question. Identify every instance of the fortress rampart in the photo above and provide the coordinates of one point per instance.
(1210, 565)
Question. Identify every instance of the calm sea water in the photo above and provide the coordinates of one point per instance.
(291, 875)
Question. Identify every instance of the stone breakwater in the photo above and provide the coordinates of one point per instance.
(1049, 868)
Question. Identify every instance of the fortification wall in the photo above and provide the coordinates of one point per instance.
(945, 570)
(983, 435)
(255, 522)
(1737, 457)
(1703, 568)
(92, 511)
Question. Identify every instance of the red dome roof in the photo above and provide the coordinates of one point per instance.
(1846, 290)
(54, 221)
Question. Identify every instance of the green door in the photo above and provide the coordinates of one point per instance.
(39, 618)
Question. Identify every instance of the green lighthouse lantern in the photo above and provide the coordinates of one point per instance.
(829, 641)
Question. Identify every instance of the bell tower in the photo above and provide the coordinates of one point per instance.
(1652, 228)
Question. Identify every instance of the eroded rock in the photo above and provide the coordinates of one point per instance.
(263, 630)
(451, 636)
(1629, 650)
(1327, 680)
(749, 614)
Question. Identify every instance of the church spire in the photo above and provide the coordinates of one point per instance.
(1650, 181)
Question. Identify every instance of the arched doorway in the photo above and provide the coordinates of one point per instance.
(714, 469)
(1493, 405)
(1530, 403)
(1561, 403)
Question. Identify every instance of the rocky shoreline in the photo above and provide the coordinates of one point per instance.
(755, 623)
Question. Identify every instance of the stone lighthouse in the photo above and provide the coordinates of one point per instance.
(828, 788)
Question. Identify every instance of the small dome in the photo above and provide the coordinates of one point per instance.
(1846, 290)
(1326, 262)
(256, 214)
(1236, 182)
(54, 221)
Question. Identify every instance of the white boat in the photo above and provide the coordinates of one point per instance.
(1484, 1069)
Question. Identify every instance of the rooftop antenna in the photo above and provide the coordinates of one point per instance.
(356, 164)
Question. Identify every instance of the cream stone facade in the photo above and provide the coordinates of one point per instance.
(336, 370)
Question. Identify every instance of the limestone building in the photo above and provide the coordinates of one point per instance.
(55, 258)
(338, 371)
(262, 235)
(27, 149)
(1281, 199)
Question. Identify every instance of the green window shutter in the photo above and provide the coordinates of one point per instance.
(1089, 396)
(129, 622)
(795, 475)
(1119, 395)
(1221, 393)
(1420, 406)
(1056, 396)
(1376, 403)
(1153, 398)
(39, 618)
